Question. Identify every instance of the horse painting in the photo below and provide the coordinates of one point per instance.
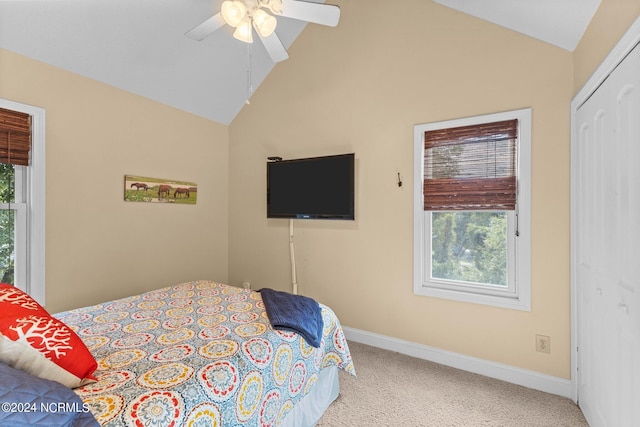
(168, 192)
(164, 189)
(140, 185)
(183, 191)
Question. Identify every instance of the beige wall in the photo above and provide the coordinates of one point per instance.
(361, 87)
(99, 247)
(610, 22)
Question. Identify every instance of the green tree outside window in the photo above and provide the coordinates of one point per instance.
(7, 224)
(470, 246)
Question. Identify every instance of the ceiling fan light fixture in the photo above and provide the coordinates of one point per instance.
(244, 32)
(265, 24)
(275, 6)
(233, 12)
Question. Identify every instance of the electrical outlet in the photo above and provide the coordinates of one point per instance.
(246, 285)
(543, 344)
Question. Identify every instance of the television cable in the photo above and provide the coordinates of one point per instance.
(294, 280)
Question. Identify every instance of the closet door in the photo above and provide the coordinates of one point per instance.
(607, 251)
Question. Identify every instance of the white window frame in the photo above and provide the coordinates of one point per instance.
(518, 293)
(29, 207)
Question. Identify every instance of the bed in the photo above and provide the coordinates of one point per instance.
(204, 353)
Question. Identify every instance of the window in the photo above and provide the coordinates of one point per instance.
(12, 224)
(472, 209)
(22, 192)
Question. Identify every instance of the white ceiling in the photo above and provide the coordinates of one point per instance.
(558, 22)
(139, 45)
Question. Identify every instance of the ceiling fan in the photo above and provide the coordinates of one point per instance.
(246, 15)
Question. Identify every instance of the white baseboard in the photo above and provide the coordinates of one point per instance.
(535, 380)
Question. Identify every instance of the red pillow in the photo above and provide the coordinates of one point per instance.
(34, 341)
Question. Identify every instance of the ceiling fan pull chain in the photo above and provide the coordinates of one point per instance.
(249, 79)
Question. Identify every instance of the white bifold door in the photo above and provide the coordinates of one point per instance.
(606, 247)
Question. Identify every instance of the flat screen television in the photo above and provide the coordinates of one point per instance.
(311, 188)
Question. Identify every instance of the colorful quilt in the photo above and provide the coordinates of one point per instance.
(199, 353)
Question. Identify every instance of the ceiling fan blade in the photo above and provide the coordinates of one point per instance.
(318, 13)
(208, 27)
(274, 47)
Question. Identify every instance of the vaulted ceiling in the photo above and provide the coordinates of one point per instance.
(139, 46)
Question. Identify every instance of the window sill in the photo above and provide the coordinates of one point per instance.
(514, 303)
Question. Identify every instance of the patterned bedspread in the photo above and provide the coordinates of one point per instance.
(199, 353)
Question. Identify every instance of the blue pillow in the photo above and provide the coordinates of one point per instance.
(27, 400)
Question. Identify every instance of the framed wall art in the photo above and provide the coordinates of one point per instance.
(158, 190)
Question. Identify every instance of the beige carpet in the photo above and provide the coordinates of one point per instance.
(392, 389)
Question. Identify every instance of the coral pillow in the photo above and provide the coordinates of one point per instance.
(34, 341)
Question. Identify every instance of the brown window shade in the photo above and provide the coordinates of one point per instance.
(15, 137)
(471, 167)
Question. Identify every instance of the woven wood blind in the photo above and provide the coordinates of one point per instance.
(471, 167)
(15, 137)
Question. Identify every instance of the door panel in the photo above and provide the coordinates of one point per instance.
(608, 249)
